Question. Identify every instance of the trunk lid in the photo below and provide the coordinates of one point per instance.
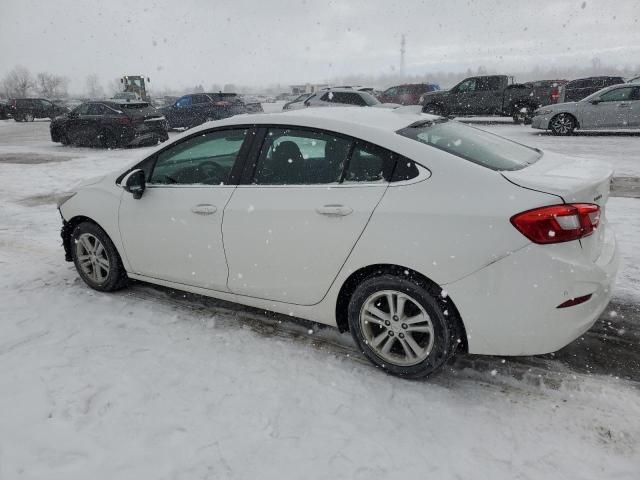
(575, 180)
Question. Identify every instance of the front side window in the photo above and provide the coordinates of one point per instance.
(184, 102)
(473, 144)
(205, 159)
(301, 157)
(82, 109)
(617, 95)
(467, 86)
(391, 91)
(96, 109)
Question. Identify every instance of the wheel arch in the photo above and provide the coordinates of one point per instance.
(571, 114)
(351, 283)
(68, 226)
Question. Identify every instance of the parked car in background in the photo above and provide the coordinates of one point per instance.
(28, 109)
(4, 110)
(110, 124)
(490, 95)
(194, 109)
(340, 97)
(414, 270)
(299, 99)
(407, 94)
(616, 107)
(576, 90)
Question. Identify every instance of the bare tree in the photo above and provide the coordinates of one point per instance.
(114, 86)
(51, 86)
(93, 87)
(18, 82)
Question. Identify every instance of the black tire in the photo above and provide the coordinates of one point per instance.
(434, 109)
(440, 312)
(116, 276)
(29, 117)
(64, 138)
(522, 114)
(18, 118)
(563, 124)
(108, 139)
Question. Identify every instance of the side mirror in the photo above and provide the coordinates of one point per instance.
(595, 101)
(134, 183)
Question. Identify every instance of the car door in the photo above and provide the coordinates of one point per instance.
(389, 95)
(291, 225)
(75, 124)
(634, 108)
(91, 123)
(181, 112)
(174, 231)
(461, 99)
(611, 110)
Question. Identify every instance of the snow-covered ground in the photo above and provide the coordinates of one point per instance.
(150, 383)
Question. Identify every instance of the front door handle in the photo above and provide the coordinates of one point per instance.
(334, 210)
(624, 105)
(204, 209)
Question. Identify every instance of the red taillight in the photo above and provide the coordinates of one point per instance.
(574, 301)
(555, 94)
(558, 223)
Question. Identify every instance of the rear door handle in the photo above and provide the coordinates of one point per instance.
(204, 209)
(334, 210)
(624, 105)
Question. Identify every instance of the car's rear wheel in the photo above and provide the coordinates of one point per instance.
(29, 117)
(434, 109)
(402, 326)
(562, 124)
(96, 258)
(18, 118)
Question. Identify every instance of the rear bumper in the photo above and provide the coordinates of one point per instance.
(510, 306)
(541, 122)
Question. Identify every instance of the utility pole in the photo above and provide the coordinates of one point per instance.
(403, 42)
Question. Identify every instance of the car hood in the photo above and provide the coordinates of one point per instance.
(565, 107)
(386, 105)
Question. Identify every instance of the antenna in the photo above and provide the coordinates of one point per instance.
(403, 42)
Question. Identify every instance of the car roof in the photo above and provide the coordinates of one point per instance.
(362, 122)
(120, 101)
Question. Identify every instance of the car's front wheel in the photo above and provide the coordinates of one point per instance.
(562, 124)
(29, 117)
(402, 326)
(96, 258)
(523, 114)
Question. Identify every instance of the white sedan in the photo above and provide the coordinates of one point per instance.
(420, 235)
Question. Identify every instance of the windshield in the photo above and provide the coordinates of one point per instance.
(369, 99)
(477, 146)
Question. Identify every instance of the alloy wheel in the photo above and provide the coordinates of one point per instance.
(92, 258)
(29, 117)
(397, 328)
(562, 124)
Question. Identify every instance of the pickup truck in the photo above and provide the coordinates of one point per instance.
(493, 95)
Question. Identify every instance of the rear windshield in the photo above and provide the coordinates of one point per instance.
(473, 144)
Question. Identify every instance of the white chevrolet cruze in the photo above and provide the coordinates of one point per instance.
(419, 235)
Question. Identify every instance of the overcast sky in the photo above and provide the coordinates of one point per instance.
(186, 42)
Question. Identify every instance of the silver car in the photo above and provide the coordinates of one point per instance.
(341, 97)
(616, 107)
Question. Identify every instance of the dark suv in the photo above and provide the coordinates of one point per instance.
(192, 110)
(408, 94)
(28, 109)
(110, 124)
(576, 90)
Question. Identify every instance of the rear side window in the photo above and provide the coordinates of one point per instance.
(617, 95)
(301, 157)
(473, 144)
